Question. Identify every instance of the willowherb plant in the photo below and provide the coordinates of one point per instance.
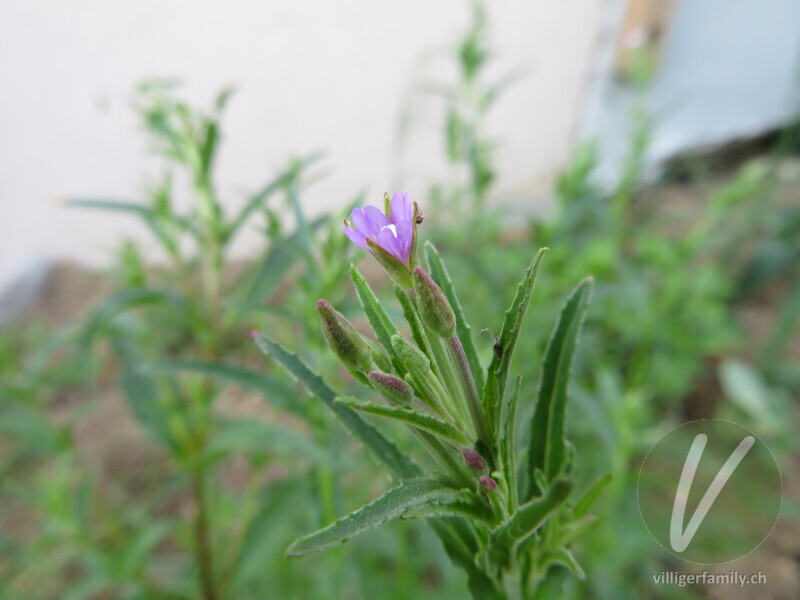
(503, 509)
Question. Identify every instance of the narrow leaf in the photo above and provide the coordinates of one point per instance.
(548, 443)
(577, 529)
(387, 451)
(394, 504)
(528, 518)
(461, 504)
(591, 495)
(257, 200)
(126, 300)
(463, 329)
(376, 315)
(507, 442)
(562, 556)
(259, 438)
(497, 373)
(264, 277)
(414, 418)
(276, 391)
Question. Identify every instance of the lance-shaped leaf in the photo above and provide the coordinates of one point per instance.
(576, 529)
(548, 450)
(257, 200)
(149, 214)
(376, 315)
(387, 451)
(506, 443)
(497, 373)
(561, 556)
(277, 392)
(397, 503)
(261, 280)
(442, 278)
(426, 422)
(591, 495)
(125, 300)
(528, 518)
(460, 504)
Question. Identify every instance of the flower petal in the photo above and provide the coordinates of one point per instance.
(360, 222)
(405, 231)
(388, 242)
(356, 237)
(401, 209)
(376, 217)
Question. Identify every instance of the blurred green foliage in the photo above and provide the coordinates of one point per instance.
(215, 497)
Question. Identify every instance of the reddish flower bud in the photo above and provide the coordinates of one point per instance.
(394, 389)
(486, 485)
(474, 460)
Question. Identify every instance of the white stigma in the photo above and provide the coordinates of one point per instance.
(391, 227)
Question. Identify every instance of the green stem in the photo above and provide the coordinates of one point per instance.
(202, 537)
(449, 374)
(468, 386)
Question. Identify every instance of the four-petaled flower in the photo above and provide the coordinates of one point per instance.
(394, 233)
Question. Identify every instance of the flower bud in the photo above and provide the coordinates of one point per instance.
(414, 358)
(434, 309)
(474, 460)
(394, 389)
(379, 357)
(345, 341)
(487, 486)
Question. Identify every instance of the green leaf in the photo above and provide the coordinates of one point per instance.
(394, 504)
(460, 544)
(113, 205)
(591, 495)
(142, 546)
(126, 300)
(461, 504)
(548, 443)
(576, 529)
(562, 556)
(463, 329)
(277, 392)
(386, 450)
(152, 218)
(143, 397)
(259, 438)
(506, 442)
(208, 147)
(282, 508)
(426, 422)
(376, 315)
(497, 373)
(257, 200)
(260, 281)
(528, 518)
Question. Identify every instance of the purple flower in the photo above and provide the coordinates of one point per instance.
(393, 233)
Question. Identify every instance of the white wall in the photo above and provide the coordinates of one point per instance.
(310, 74)
(728, 70)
